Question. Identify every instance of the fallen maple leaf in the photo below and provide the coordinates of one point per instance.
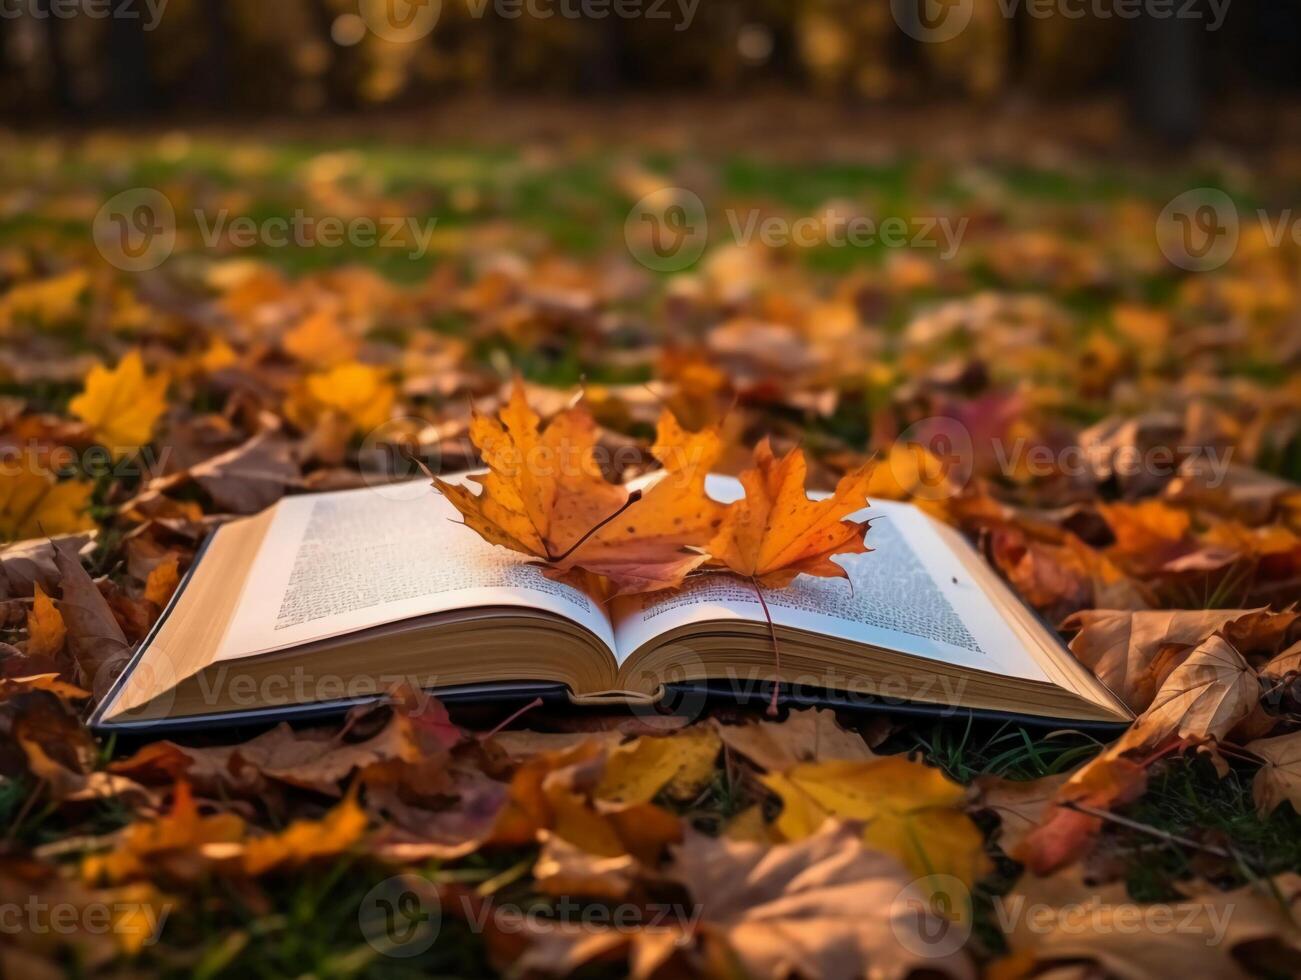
(1064, 830)
(58, 750)
(798, 909)
(1062, 919)
(812, 735)
(1286, 663)
(34, 503)
(1279, 779)
(94, 637)
(681, 765)
(25, 565)
(320, 341)
(356, 398)
(1131, 653)
(545, 496)
(776, 532)
(908, 809)
(1021, 804)
(567, 869)
(123, 405)
(11, 686)
(250, 477)
(765, 912)
(550, 792)
(1148, 533)
(47, 301)
(544, 491)
(361, 393)
(1203, 698)
(310, 759)
(651, 545)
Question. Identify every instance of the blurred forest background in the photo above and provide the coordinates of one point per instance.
(223, 58)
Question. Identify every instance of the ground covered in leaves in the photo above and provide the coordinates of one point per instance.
(1119, 436)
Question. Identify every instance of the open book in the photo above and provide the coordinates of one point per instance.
(336, 598)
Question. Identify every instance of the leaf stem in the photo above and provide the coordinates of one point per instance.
(1144, 828)
(535, 703)
(632, 499)
(776, 650)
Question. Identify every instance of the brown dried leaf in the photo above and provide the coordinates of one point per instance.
(1062, 919)
(96, 641)
(812, 735)
(1021, 804)
(251, 477)
(798, 908)
(1279, 779)
(1203, 698)
(1121, 647)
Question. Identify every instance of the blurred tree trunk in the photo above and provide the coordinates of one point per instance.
(1165, 56)
(1018, 49)
(214, 83)
(130, 92)
(606, 50)
(9, 72)
(341, 75)
(56, 31)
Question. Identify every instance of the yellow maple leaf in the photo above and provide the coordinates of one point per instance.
(681, 765)
(908, 809)
(45, 627)
(123, 405)
(360, 394)
(47, 301)
(776, 532)
(34, 503)
(544, 490)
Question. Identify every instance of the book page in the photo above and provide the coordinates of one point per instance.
(335, 563)
(909, 594)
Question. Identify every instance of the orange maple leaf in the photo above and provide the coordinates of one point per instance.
(655, 543)
(544, 491)
(545, 496)
(776, 532)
